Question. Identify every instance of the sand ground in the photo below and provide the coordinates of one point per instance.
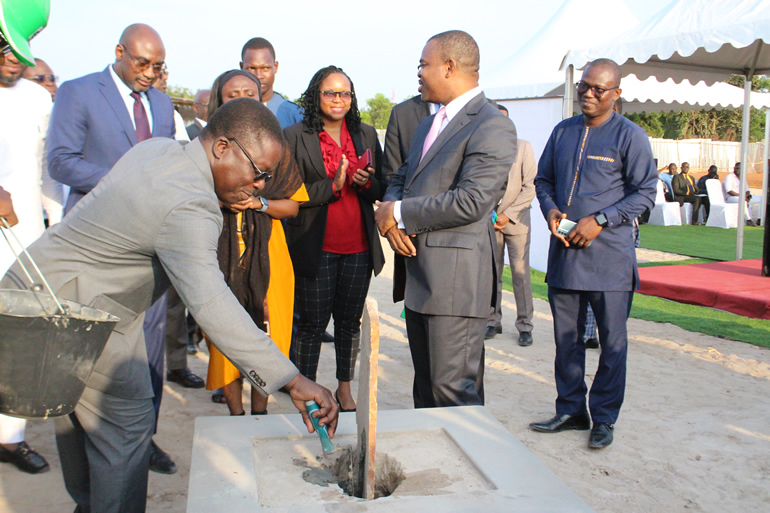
(692, 435)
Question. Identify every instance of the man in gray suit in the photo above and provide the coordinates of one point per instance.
(512, 230)
(437, 212)
(155, 220)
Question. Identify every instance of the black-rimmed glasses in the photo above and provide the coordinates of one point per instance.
(583, 87)
(44, 78)
(142, 63)
(258, 173)
(331, 95)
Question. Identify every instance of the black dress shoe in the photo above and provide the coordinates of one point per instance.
(160, 461)
(592, 343)
(601, 435)
(563, 423)
(25, 458)
(185, 377)
(491, 331)
(525, 338)
(327, 337)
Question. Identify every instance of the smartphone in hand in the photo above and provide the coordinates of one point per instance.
(565, 226)
(365, 160)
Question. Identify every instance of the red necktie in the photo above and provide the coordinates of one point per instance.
(140, 118)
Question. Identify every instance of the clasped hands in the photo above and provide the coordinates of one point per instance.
(586, 230)
(398, 239)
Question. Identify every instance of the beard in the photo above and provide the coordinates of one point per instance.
(9, 81)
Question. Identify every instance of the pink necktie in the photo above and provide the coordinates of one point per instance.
(140, 118)
(435, 129)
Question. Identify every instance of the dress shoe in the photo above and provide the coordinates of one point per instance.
(191, 347)
(185, 377)
(491, 331)
(160, 462)
(525, 338)
(342, 410)
(25, 458)
(749, 222)
(601, 435)
(592, 343)
(327, 337)
(563, 423)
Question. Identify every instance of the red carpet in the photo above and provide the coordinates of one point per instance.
(736, 287)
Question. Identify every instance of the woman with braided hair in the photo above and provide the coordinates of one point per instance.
(253, 254)
(333, 242)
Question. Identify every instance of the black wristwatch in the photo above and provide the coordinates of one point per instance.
(601, 219)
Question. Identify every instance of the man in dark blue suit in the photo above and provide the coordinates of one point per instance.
(96, 119)
(597, 170)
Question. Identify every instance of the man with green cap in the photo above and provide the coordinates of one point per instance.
(25, 109)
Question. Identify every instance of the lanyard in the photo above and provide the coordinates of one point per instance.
(577, 167)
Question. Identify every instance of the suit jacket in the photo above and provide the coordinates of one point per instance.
(305, 233)
(91, 129)
(447, 202)
(520, 191)
(679, 185)
(154, 218)
(402, 124)
(194, 129)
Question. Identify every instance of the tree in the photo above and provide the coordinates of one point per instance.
(179, 92)
(378, 112)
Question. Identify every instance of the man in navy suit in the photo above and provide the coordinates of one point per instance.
(596, 170)
(95, 121)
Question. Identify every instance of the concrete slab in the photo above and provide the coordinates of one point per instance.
(455, 459)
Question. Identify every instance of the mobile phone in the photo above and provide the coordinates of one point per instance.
(565, 226)
(365, 160)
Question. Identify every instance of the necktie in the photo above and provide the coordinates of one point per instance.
(435, 129)
(690, 185)
(140, 118)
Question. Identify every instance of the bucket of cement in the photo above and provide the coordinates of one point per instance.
(47, 355)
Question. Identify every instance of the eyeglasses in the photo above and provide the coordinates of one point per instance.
(142, 63)
(44, 78)
(164, 71)
(583, 87)
(331, 95)
(258, 173)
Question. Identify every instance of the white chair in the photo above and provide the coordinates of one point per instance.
(664, 213)
(722, 215)
(686, 213)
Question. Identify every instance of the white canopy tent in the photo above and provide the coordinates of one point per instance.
(695, 40)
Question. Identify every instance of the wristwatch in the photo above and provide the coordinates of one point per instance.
(601, 219)
(264, 204)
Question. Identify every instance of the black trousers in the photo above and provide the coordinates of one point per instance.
(339, 291)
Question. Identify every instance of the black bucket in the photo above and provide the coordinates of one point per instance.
(46, 358)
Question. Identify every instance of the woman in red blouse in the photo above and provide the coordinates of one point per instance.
(333, 241)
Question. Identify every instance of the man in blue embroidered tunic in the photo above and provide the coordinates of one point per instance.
(597, 170)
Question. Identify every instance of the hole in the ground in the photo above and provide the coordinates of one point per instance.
(343, 468)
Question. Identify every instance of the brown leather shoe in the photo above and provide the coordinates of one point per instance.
(25, 458)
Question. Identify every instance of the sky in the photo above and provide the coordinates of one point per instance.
(378, 44)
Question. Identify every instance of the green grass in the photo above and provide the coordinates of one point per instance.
(689, 317)
(702, 241)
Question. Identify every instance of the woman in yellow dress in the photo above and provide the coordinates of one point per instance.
(253, 253)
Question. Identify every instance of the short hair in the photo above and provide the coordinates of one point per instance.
(501, 107)
(683, 163)
(245, 119)
(712, 169)
(258, 43)
(611, 66)
(672, 164)
(460, 46)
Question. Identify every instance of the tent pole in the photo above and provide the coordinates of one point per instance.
(765, 198)
(744, 166)
(569, 88)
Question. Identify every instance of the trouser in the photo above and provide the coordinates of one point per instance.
(339, 291)
(694, 200)
(176, 331)
(154, 337)
(518, 255)
(448, 358)
(104, 449)
(611, 310)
